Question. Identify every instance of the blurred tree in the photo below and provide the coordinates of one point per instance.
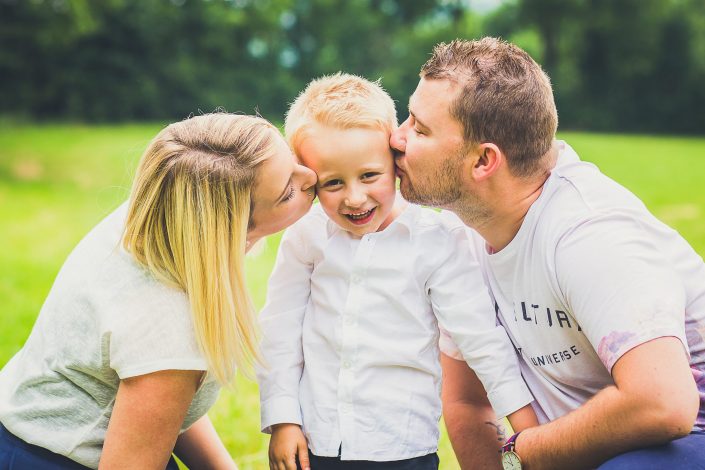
(615, 64)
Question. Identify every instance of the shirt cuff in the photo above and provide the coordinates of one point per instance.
(448, 347)
(510, 397)
(280, 410)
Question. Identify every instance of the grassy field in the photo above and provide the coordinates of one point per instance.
(56, 182)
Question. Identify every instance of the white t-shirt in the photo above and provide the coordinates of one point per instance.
(350, 334)
(105, 319)
(590, 275)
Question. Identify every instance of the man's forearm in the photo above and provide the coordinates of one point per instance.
(475, 435)
(654, 401)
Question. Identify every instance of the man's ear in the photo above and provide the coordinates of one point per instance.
(489, 159)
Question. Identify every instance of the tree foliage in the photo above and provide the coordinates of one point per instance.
(634, 65)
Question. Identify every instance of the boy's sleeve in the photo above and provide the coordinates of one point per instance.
(464, 310)
(281, 321)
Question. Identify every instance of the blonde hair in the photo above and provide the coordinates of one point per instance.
(187, 223)
(505, 98)
(342, 101)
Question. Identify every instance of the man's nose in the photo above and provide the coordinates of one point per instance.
(397, 140)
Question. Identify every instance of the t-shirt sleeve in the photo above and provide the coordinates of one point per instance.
(151, 329)
(619, 285)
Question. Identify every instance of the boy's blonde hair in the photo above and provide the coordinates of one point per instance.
(342, 101)
(187, 223)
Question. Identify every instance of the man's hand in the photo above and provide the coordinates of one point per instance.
(286, 444)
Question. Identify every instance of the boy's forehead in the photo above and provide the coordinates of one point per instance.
(333, 149)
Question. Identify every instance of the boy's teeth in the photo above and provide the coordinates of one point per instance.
(361, 215)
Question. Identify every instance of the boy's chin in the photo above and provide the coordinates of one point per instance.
(358, 230)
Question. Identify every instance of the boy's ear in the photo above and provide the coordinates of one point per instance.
(487, 161)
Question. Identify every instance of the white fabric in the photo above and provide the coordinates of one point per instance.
(590, 275)
(350, 334)
(105, 319)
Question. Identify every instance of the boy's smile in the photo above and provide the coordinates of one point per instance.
(355, 172)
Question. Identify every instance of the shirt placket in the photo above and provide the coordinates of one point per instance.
(349, 345)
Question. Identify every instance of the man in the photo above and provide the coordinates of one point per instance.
(604, 304)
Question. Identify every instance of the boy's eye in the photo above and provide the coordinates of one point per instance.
(369, 175)
(331, 183)
(417, 130)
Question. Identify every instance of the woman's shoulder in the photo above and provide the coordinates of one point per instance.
(99, 270)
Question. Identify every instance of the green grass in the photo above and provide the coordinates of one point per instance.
(56, 182)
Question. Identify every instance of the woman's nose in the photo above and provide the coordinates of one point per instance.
(308, 178)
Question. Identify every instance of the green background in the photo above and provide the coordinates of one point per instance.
(57, 181)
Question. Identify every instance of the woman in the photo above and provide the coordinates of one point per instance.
(149, 314)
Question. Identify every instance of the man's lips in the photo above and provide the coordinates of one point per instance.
(398, 170)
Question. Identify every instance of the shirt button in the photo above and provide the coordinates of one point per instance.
(348, 320)
(355, 279)
(346, 365)
(346, 408)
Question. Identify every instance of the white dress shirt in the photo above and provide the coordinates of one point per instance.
(350, 334)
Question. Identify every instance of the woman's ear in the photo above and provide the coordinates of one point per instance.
(488, 160)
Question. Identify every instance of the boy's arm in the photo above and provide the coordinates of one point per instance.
(282, 320)
(463, 307)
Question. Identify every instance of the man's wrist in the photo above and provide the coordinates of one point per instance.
(510, 456)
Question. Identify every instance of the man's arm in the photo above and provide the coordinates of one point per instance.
(654, 400)
(472, 426)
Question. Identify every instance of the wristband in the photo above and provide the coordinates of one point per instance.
(510, 459)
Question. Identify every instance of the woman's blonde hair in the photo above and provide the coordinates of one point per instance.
(342, 101)
(187, 223)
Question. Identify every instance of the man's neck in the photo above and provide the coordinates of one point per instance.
(504, 222)
(505, 205)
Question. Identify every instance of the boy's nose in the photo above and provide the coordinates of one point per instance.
(355, 198)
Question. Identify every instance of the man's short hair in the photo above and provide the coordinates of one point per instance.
(505, 98)
(342, 101)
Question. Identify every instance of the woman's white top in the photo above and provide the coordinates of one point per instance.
(106, 318)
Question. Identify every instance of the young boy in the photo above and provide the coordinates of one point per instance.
(360, 286)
